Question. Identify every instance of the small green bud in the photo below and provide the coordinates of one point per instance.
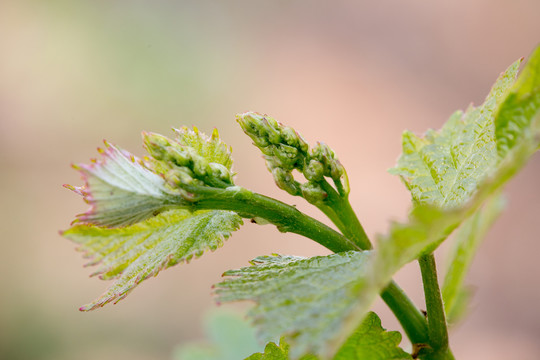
(285, 150)
(287, 156)
(336, 170)
(178, 176)
(251, 124)
(332, 166)
(285, 181)
(180, 156)
(156, 145)
(200, 166)
(292, 138)
(271, 128)
(313, 193)
(314, 171)
(221, 172)
(322, 152)
(183, 164)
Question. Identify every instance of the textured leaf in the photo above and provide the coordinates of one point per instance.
(472, 156)
(368, 342)
(516, 117)
(467, 240)
(445, 167)
(428, 225)
(275, 352)
(230, 338)
(314, 302)
(121, 190)
(137, 252)
(371, 342)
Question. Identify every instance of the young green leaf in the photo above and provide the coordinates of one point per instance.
(429, 225)
(275, 352)
(368, 342)
(515, 121)
(371, 342)
(121, 190)
(459, 168)
(445, 167)
(230, 337)
(137, 252)
(467, 239)
(315, 303)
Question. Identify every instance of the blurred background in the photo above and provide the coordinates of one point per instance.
(354, 74)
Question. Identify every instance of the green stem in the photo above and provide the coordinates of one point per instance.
(413, 320)
(340, 212)
(289, 219)
(409, 316)
(285, 217)
(437, 329)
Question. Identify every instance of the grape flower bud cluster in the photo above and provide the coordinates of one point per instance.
(285, 151)
(182, 165)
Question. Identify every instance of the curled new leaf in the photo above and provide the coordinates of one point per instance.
(121, 190)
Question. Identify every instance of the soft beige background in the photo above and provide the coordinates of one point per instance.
(351, 73)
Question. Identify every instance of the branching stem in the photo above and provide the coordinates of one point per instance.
(410, 317)
(339, 211)
(289, 219)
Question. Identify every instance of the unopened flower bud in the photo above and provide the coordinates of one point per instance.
(332, 166)
(313, 193)
(314, 171)
(285, 181)
(200, 166)
(177, 176)
(156, 145)
(336, 170)
(188, 163)
(221, 172)
(271, 129)
(180, 156)
(292, 138)
(288, 156)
